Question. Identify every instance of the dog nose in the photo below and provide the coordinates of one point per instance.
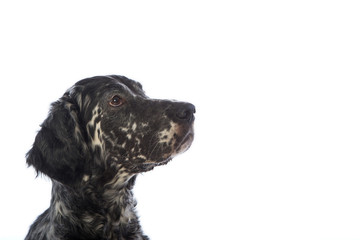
(186, 112)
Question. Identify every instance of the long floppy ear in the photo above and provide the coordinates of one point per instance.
(59, 150)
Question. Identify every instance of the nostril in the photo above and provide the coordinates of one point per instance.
(186, 112)
(183, 114)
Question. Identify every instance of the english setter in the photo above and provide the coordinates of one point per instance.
(98, 136)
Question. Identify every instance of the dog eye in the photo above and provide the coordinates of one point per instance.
(116, 101)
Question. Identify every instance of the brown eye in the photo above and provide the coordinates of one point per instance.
(116, 101)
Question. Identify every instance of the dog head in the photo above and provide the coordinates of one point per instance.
(109, 123)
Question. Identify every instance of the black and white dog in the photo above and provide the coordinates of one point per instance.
(98, 136)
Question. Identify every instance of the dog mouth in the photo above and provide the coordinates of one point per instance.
(178, 145)
(162, 152)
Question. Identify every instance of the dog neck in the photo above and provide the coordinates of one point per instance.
(106, 211)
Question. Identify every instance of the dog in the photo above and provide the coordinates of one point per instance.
(97, 138)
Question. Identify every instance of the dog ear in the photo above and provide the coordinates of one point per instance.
(59, 150)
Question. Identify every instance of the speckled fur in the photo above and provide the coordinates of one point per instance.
(93, 150)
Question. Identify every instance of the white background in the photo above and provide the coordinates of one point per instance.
(275, 83)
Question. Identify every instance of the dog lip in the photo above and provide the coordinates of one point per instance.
(187, 139)
(189, 136)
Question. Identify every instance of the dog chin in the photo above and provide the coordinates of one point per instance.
(149, 165)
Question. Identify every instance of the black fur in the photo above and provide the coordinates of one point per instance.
(96, 139)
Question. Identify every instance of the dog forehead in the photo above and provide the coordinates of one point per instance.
(99, 85)
(128, 85)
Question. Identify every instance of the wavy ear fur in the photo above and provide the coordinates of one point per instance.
(59, 150)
